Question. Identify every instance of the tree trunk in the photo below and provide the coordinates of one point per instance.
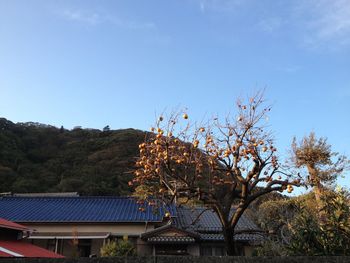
(318, 192)
(229, 241)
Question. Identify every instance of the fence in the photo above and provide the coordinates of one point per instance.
(177, 259)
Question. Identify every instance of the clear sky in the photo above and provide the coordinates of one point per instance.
(118, 62)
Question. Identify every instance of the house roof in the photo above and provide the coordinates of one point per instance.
(79, 210)
(169, 228)
(64, 194)
(207, 224)
(120, 209)
(205, 220)
(69, 235)
(22, 249)
(251, 238)
(170, 240)
(11, 225)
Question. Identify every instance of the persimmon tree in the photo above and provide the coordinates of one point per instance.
(225, 165)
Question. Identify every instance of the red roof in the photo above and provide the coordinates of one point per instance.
(8, 224)
(23, 249)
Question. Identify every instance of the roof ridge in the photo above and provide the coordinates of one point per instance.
(67, 197)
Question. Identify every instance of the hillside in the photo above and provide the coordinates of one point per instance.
(41, 158)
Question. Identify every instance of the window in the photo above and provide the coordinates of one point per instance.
(84, 247)
(171, 249)
(206, 251)
(212, 250)
(51, 244)
(219, 251)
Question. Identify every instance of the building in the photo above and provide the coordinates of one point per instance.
(79, 226)
(12, 242)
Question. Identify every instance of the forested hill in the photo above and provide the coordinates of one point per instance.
(42, 158)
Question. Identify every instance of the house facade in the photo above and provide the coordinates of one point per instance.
(13, 242)
(80, 226)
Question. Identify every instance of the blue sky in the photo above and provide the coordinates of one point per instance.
(93, 63)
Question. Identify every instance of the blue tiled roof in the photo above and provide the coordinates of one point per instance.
(78, 209)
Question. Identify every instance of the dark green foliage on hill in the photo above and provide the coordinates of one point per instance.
(42, 158)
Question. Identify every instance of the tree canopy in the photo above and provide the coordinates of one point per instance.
(36, 157)
(224, 164)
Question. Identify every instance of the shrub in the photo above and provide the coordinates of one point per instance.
(329, 236)
(115, 249)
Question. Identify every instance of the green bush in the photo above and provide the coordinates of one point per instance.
(109, 249)
(115, 249)
(326, 236)
(296, 227)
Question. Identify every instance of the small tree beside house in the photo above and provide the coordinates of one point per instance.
(225, 165)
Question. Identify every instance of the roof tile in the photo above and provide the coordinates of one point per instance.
(207, 223)
(78, 209)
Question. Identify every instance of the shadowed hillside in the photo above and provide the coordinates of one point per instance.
(40, 158)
